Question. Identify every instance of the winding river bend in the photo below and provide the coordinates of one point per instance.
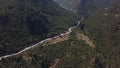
(37, 44)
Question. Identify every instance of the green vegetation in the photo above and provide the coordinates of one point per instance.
(25, 22)
(104, 30)
(21, 24)
(73, 53)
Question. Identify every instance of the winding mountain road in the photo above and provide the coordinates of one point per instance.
(37, 44)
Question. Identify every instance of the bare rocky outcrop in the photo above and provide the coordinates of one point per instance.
(86, 39)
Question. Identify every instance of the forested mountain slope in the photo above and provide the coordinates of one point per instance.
(104, 29)
(25, 22)
(72, 53)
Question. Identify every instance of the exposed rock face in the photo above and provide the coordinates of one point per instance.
(70, 4)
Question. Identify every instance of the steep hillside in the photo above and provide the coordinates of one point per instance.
(73, 53)
(86, 7)
(25, 22)
(104, 29)
(101, 30)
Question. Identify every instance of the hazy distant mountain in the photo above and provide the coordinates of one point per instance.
(86, 7)
(25, 22)
(71, 4)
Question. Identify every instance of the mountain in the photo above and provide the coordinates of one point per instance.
(86, 7)
(68, 54)
(26, 22)
(104, 30)
(70, 4)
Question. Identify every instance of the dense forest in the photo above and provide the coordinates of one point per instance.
(104, 30)
(73, 53)
(25, 22)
